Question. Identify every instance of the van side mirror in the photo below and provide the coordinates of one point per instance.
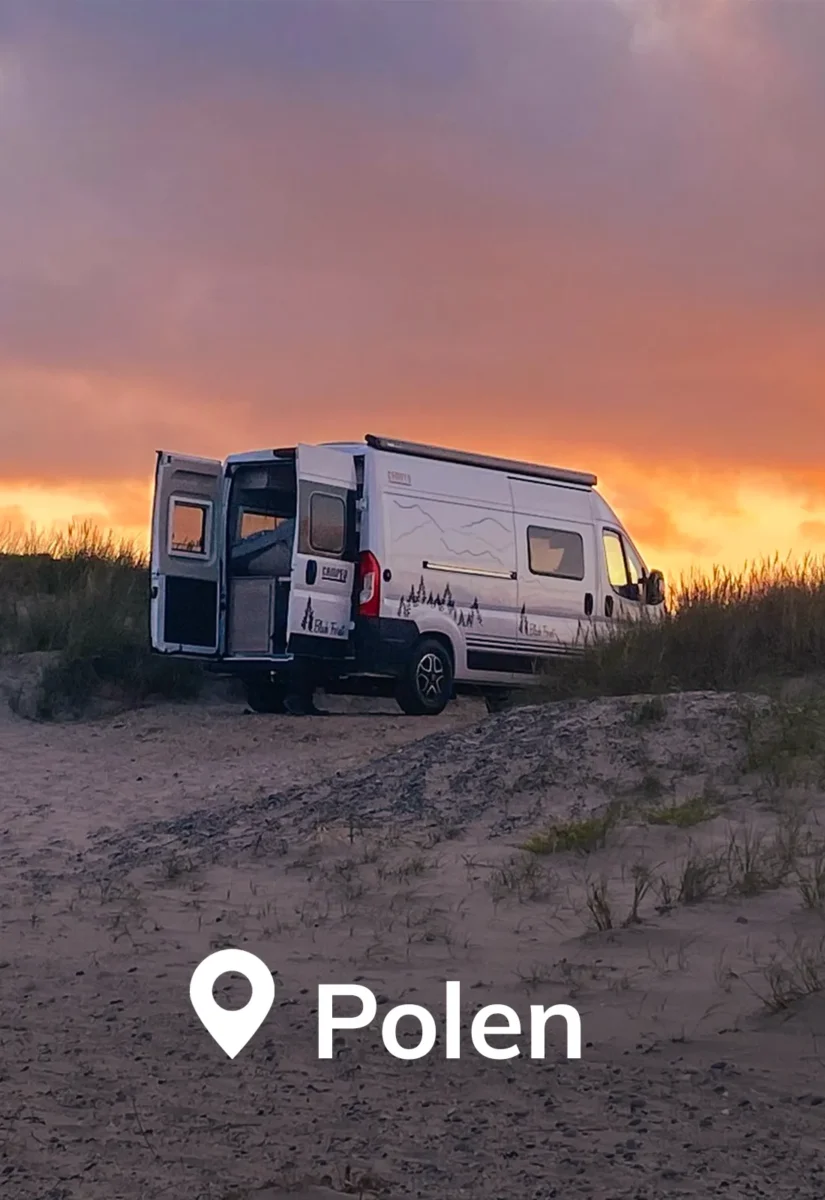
(655, 588)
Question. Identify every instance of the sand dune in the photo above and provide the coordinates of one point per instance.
(366, 846)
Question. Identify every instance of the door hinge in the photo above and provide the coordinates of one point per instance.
(361, 504)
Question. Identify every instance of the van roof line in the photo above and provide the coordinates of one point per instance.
(539, 470)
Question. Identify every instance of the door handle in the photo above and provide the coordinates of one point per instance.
(608, 606)
(311, 571)
(588, 603)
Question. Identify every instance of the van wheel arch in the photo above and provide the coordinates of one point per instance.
(445, 642)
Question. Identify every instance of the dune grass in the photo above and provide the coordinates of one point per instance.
(578, 836)
(682, 814)
(721, 632)
(84, 595)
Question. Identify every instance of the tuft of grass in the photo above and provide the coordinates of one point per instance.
(794, 973)
(599, 905)
(649, 712)
(720, 632)
(810, 881)
(84, 595)
(128, 672)
(523, 877)
(642, 878)
(699, 877)
(756, 863)
(684, 813)
(177, 865)
(782, 740)
(581, 836)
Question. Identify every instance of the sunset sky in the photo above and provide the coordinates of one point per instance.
(590, 232)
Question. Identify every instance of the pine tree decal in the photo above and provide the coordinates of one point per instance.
(308, 617)
(522, 625)
(440, 600)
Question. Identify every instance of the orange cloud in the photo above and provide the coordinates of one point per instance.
(606, 259)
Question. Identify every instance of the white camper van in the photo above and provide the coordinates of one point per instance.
(384, 568)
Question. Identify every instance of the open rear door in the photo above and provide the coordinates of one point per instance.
(186, 546)
(324, 554)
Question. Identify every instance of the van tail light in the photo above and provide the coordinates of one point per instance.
(369, 580)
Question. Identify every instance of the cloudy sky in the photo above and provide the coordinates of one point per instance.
(586, 231)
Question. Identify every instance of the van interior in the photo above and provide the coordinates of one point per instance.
(260, 534)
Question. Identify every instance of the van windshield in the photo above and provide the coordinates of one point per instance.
(635, 564)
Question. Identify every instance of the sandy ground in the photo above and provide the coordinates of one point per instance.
(372, 848)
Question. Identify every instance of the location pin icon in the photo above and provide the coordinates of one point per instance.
(232, 1029)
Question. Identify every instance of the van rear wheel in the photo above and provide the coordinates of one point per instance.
(426, 685)
(265, 695)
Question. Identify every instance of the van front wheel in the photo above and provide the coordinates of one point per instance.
(427, 683)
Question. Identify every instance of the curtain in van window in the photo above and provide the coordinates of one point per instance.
(555, 552)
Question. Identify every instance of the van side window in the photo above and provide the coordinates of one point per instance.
(327, 523)
(618, 571)
(555, 552)
(188, 527)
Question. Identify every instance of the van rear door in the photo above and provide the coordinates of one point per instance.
(324, 555)
(187, 540)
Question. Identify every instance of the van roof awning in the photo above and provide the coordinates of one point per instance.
(468, 459)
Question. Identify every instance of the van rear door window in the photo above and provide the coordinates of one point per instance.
(557, 552)
(188, 527)
(327, 523)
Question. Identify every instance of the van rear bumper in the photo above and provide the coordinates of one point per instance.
(379, 646)
(383, 644)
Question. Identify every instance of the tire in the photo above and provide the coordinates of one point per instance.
(264, 695)
(426, 686)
